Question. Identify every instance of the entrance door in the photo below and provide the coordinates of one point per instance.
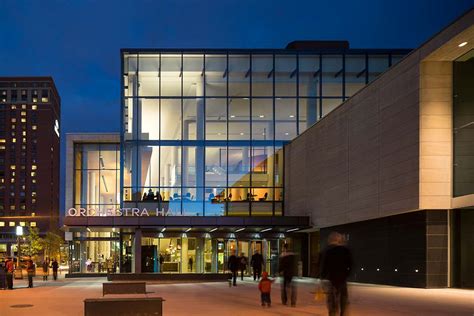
(149, 259)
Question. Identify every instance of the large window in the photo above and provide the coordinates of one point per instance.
(204, 130)
(96, 176)
(463, 123)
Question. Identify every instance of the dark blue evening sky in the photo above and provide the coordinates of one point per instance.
(78, 42)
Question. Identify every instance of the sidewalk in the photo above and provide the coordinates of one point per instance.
(65, 297)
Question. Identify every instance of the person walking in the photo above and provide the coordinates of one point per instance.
(45, 266)
(242, 265)
(55, 267)
(335, 268)
(233, 266)
(9, 269)
(287, 269)
(162, 260)
(190, 263)
(30, 270)
(265, 287)
(256, 262)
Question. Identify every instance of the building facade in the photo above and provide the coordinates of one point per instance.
(392, 169)
(29, 157)
(201, 158)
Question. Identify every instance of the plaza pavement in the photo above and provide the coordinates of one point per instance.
(65, 297)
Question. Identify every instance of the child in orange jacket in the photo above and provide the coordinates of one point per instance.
(265, 287)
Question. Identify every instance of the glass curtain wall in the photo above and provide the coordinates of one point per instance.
(463, 123)
(204, 132)
(96, 185)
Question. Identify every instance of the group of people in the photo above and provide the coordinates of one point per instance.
(150, 196)
(9, 268)
(335, 264)
(287, 268)
(236, 264)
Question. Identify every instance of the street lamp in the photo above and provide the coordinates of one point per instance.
(19, 233)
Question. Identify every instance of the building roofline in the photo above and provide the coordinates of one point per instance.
(32, 79)
(401, 51)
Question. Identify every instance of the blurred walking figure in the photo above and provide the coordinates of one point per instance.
(55, 266)
(45, 266)
(30, 270)
(243, 265)
(265, 287)
(9, 269)
(287, 269)
(336, 264)
(256, 262)
(233, 266)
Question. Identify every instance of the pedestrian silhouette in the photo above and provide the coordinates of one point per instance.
(336, 264)
(287, 269)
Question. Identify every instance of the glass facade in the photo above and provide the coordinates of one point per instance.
(203, 131)
(96, 179)
(463, 123)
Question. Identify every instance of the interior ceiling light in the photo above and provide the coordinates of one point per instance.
(462, 44)
(261, 116)
(232, 116)
(240, 229)
(213, 230)
(292, 116)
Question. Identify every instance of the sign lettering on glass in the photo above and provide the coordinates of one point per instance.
(127, 211)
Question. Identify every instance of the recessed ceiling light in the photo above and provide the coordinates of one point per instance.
(287, 134)
(232, 116)
(241, 134)
(261, 116)
(292, 116)
(462, 44)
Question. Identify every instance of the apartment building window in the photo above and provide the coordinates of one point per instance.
(44, 95)
(2, 224)
(34, 107)
(3, 96)
(14, 96)
(11, 224)
(34, 97)
(33, 224)
(24, 95)
(22, 223)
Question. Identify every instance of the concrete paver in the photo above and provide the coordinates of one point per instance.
(65, 297)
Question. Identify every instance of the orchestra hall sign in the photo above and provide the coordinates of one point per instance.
(127, 211)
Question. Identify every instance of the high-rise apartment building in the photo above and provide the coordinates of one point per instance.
(29, 157)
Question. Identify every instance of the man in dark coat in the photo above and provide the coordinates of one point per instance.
(55, 266)
(233, 266)
(287, 269)
(256, 262)
(336, 265)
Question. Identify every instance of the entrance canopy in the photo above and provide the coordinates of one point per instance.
(190, 223)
